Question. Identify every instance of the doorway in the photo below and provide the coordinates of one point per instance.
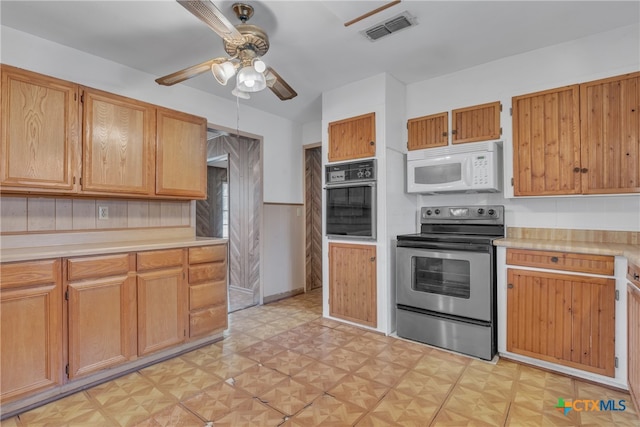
(233, 209)
(313, 216)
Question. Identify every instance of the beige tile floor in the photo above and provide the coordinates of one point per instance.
(282, 364)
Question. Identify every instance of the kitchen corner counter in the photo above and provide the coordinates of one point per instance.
(82, 249)
(596, 242)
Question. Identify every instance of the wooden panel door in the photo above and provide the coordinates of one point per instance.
(181, 155)
(101, 312)
(31, 328)
(161, 309)
(546, 142)
(633, 350)
(118, 144)
(352, 283)
(610, 135)
(40, 133)
(477, 123)
(313, 218)
(560, 318)
(428, 131)
(352, 138)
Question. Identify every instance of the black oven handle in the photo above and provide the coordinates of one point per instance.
(470, 247)
(351, 184)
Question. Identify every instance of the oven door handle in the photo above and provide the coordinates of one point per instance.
(444, 246)
(351, 184)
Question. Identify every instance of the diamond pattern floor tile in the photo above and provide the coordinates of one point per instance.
(381, 371)
(258, 380)
(251, 413)
(262, 351)
(179, 377)
(76, 409)
(289, 362)
(290, 396)
(398, 408)
(175, 416)
(364, 393)
(216, 401)
(327, 411)
(320, 375)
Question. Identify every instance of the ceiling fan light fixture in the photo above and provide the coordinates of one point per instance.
(223, 72)
(249, 80)
(240, 94)
(259, 65)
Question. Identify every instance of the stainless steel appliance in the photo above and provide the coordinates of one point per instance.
(446, 279)
(351, 200)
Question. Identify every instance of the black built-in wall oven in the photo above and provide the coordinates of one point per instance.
(350, 200)
(446, 279)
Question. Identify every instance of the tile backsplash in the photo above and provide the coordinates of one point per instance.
(44, 214)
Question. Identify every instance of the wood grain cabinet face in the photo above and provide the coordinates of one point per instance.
(40, 132)
(181, 154)
(207, 289)
(101, 312)
(352, 283)
(477, 123)
(352, 138)
(562, 318)
(32, 330)
(633, 331)
(428, 131)
(118, 144)
(161, 303)
(610, 135)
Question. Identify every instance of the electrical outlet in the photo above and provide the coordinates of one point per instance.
(103, 212)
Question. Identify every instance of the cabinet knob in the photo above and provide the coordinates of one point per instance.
(576, 169)
(554, 259)
(584, 170)
(372, 259)
(636, 276)
(372, 143)
(510, 286)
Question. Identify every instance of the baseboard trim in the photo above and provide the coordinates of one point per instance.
(283, 295)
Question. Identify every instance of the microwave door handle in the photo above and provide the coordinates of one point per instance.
(467, 171)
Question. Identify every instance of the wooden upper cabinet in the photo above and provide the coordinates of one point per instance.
(610, 135)
(352, 138)
(477, 123)
(546, 142)
(428, 131)
(181, 154)
(118, 144)
(39, 132)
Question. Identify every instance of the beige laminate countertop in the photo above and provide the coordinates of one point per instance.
(66, 251)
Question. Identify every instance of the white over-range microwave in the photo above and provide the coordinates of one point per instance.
(467, 168)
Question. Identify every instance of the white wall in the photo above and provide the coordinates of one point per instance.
(603, 55)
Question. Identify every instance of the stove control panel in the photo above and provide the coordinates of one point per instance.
(364, 170)
(491, 213)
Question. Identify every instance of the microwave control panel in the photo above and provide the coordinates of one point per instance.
(364, 170)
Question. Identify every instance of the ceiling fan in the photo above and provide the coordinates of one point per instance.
(245, 44)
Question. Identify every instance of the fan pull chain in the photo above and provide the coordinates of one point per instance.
(237, 115)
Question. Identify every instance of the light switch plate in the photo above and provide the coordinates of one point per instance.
(103, 212)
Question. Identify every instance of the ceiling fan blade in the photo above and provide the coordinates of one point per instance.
(187, 73)
(372, 12)
(278, 85)
(208, 13)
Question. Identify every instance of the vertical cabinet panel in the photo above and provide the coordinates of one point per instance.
(40, 132)
(181, 162)
(546, 140)
(31, 332)
(352, 138)
(352, 283)
(119, 134)
(428, 131)
(565, 319)
(610, 126)
(633, 350)
(477, 123)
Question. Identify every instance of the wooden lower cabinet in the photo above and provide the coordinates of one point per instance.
(562, 318)
(101, 312)
(207, 289)
(161, 300)
(352, 283)
(31, 356)
(633, 331)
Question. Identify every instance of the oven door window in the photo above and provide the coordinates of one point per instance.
(350, 211)
(442, 276)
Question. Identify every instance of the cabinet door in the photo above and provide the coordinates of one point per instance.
(633, 350)
(101, 312)
(31, 331)
(352, 283)
(161, 316)
(610, 121)
(428, 131)
(477, 123)
(352, 138)
(39, 132)
(546, 142)
(560, 318)
(118, 144)
(181, 162)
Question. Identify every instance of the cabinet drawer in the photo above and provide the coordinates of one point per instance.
(159, 259)
(208, 272)
(579, 263)
(101, 266)
(207, 294)
(29, 273)
(208, 320)
(207, 254)
(633, 274)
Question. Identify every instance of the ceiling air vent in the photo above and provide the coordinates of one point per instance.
(397, 23)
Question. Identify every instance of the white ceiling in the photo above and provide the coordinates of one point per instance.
(310, 46)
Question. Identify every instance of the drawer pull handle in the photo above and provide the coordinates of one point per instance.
(510, 286)
(554, 259)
